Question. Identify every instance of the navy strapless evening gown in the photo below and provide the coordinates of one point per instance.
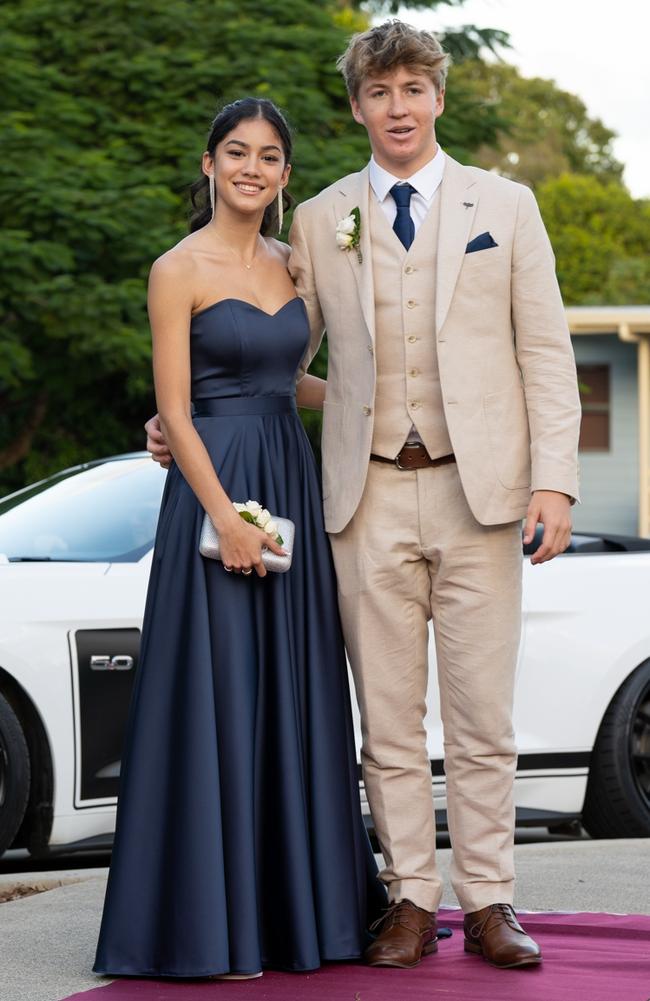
(240, 842)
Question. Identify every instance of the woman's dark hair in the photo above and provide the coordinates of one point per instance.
(228, 119)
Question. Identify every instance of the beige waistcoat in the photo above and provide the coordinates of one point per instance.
(408, 382)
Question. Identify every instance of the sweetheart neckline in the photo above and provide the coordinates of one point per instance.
(259, 309)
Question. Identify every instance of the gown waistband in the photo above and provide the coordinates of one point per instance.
(235, 406)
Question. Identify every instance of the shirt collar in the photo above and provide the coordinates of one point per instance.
(426, 180)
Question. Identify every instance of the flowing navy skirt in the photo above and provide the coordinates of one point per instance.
(240, 842)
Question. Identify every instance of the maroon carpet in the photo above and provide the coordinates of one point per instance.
(587, 957)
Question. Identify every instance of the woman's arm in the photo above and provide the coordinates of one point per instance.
(310, 392)
(170, 305)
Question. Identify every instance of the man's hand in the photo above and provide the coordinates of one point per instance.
(156, 443)
(552, 509)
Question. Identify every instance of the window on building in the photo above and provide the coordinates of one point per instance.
(594, 382)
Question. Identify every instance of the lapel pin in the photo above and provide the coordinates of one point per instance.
(468, 205)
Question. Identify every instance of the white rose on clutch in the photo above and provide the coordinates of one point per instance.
(253, 512)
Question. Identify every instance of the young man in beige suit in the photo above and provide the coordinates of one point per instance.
(451, 413)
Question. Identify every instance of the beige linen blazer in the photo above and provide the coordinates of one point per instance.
(506, 363)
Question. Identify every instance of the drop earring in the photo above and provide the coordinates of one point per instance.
(212, 186)
(280, 211)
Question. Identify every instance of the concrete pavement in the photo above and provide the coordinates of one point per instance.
(47, 940)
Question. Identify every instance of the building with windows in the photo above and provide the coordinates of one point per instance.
(612, 349)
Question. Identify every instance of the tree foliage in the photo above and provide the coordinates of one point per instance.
(547, 131)
(600, 234)
(104, 114)
(105, 111)
(386, 7)
(467, 42)
(601, 239)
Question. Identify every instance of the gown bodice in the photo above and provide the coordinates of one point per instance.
(237, 349)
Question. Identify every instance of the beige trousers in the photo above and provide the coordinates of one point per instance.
(412, 552)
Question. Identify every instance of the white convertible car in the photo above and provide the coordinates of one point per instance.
(75, 552)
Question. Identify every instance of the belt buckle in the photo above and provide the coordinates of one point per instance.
(409, 444)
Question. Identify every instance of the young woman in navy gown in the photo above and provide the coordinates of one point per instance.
(240, 842)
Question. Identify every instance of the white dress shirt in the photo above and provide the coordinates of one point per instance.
(426, 182)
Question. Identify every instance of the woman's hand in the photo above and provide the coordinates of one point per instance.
(157, 443)
(241, 547)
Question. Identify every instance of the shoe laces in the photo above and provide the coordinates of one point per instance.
(501, 913)
(393, 915)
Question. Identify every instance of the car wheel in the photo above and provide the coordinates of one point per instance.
(14, 774)
(617, 804)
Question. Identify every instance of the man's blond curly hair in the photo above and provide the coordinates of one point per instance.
(385, 48)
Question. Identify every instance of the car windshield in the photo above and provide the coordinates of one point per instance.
(105, 513)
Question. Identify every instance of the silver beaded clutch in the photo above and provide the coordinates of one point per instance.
(209, 544)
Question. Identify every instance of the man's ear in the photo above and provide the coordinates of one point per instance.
(356, 111)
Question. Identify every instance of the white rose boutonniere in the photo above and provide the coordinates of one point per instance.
(253, 512)
(348, 233)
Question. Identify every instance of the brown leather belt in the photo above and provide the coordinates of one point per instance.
(413, 455)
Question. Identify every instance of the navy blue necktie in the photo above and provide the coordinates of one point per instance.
(403, 226)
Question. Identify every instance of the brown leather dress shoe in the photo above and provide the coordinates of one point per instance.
(494, 933)
(406, 934)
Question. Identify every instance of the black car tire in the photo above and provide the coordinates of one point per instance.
(14, 774)
(617, 803)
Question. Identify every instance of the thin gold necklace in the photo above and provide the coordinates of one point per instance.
(237, 255)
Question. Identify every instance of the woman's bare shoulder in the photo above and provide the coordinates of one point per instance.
(177, 262)
(278, 249)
